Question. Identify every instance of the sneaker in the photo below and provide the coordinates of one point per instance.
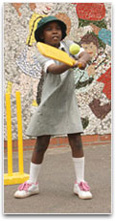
(27, 189)
(82, 190)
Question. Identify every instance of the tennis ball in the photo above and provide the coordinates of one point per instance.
(74, 49)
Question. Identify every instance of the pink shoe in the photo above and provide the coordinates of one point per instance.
(27, 189)
(82, 190)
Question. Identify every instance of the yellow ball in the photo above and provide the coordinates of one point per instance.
(74, 49)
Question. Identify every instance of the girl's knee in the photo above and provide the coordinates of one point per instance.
(42, 143)
(76, 145)
(75, 141)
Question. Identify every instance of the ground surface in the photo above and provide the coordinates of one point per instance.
(56, 184)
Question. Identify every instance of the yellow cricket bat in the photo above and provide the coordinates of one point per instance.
(56, 54)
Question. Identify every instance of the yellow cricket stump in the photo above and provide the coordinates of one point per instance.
(11, 178)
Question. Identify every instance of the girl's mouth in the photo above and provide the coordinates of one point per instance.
(55, 37)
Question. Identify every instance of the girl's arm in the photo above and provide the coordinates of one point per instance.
(59, 69)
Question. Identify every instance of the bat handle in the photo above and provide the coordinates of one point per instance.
(79, 64)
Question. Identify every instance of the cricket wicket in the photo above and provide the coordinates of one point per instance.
(11, 177)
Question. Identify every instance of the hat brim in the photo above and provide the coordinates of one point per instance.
(38, 31)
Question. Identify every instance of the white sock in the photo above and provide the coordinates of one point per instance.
(79, 168)
(34, 172)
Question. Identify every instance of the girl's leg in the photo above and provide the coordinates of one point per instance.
(81, 188)
(41, 146)
(76, 145)
(77, 155)
(31, 187)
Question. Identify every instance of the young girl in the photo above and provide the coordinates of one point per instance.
(58, 112)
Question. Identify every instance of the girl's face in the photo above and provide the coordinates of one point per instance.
(52, 34)
(90, 48)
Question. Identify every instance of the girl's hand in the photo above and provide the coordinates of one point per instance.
(82, 61)
(81, 64)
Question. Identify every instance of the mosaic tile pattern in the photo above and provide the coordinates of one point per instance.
(89, 24)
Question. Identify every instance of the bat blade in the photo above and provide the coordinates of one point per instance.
(54, 53)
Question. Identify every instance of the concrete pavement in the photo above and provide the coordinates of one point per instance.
(56, 184)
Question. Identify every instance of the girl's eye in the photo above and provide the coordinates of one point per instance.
(58, 28)
(48, 29)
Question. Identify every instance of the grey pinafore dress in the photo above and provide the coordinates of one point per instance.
(58, 112)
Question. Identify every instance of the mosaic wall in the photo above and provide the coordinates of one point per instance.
(89, 24)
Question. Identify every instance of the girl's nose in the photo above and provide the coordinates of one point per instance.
(54, 30)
